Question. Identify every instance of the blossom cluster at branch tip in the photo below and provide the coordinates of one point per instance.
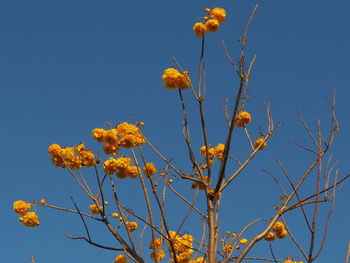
(132, 226)
(227, 248)
(278, 228)
(258, 142)
(30, 219)
(270, 236)
(120, 259)
(124, 135)
(157, 255)
(149, 169)
(243, 118)
(22, 208)
(95, 209)
(173, 79)
(291, 261)
(214, 152)
(182, 245)
(71, 157)
(211, 23)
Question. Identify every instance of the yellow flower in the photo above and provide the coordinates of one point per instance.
(155, 244)
(172, 235)
(120, 259)
(243, 241)
(54, 149)
(21, 207)
(111, 136)
(87, 158)
(30, 219)
(219, 151)
(199, 29)
(98, 134)
(170, 77)
(132, 226)
(55, 152)
(110, 166)
(80, 148)
(110, 148)
(43, 201)
(122, 173)
(183, 81)
(132, 171)
(211, 152)
(149, 169)
(219, 14)
(212, 25)
(288, 261)
(94, 209)
(278, 227)
(258, 142)
(183, 257)
(160, 255)
(129, 135)
(270, 236)
(70, 159)
(282, 234)
(228, 248)
(123, 162)
(243, 119)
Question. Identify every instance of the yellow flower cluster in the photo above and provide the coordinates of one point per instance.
(21, 207)
(291, 261)
(174, 79)
(132, 226)
(258, 142)
(124, 135)
(149, 169)
(95, 209)
(71, 157)
(270, 236)
(214, 152)
(121, 167)
(211, 23)
(155, 244)
(182, 246)
(158, 254)
(227, 248)
(28, 218)
(278, 228)
(243, 119)
(120, 259)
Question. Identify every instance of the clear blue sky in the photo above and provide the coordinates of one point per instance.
(67, 67)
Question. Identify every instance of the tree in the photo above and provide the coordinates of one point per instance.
(209, 177)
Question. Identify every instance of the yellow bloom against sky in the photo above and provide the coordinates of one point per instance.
(68, 67)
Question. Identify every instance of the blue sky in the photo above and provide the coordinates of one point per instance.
(67, 67)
